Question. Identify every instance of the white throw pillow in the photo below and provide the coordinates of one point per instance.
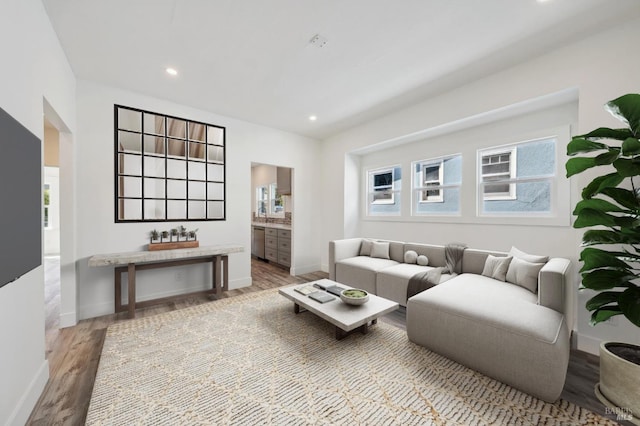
(380, 249)
(496, 267)
(524, 274)
(410, 256)
(422, 260)
(533, 258)
(365, 247)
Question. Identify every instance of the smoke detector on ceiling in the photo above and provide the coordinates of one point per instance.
(318, 41)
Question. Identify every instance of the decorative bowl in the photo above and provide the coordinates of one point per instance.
(354, 296)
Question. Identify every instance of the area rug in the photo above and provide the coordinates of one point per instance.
(251, 360)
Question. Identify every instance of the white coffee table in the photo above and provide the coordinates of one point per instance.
(346, 318)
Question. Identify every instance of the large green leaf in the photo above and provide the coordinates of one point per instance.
(597, 204)
(603, 314)
(590, 217)
(624, 197)
(602, 299)
(627, 167)
(579, 165)
(629, 302)
(594, 258)
(579, 145)
(606, 133)
(601, 182)
(631, 146)
(607, 157)
(626, 108)
(605, 279)
(605, 236)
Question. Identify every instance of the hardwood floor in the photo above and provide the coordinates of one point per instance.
(74, 352)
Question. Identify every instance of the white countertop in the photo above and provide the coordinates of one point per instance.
(271, 225)
(159, 255)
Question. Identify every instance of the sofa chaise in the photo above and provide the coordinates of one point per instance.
(498, 313)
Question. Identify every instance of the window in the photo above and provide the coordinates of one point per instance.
(167, 168)
(383, 192)
(436, 185)
(431, 178)
(517, 179)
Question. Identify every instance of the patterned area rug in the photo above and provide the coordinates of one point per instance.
(251, 360)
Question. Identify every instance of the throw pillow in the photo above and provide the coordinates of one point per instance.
(496, 267)
(410, 256)
(422, 260)
(524, 274)
(533, 258)
(380, 249)
(365, 247)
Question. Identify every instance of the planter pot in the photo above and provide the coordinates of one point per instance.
(619, 387)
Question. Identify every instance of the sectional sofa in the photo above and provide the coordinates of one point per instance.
(499, 313)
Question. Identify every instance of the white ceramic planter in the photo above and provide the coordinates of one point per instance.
(619, 387)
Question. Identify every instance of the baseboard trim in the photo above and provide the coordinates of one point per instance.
(588, 344)
(68, 320)
(30, 397)
(107, 308)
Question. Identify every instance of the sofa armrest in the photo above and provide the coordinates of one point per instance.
(551, 283)
(342, 249)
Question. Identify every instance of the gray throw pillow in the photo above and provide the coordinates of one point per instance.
(365, 247)
(496, 267)
(524, 274)
(422, 260)
(380, 249)
(410, 256)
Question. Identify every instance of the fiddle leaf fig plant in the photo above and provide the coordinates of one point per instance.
(610, 208)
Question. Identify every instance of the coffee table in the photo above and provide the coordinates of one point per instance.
(346, 318)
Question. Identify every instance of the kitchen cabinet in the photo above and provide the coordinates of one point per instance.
(277, 245)
(283, 179)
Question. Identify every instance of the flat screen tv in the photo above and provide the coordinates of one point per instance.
(20, 199)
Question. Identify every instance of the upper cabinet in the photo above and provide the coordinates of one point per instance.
(283, 177)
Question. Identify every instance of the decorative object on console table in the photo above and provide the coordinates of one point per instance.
(611, 203)
(190, 239)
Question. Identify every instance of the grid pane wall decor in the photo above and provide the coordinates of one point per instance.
(167, 168)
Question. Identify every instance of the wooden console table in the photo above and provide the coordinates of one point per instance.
(141, 260)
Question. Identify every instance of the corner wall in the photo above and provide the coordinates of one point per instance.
(35, 68)
(574, 66)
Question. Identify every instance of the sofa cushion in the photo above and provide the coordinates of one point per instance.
(360, 271)
(496, 267)
(380, 249)
(392, 282)
(473, 260)
(422, 260)
(477, 297)
(524, 274)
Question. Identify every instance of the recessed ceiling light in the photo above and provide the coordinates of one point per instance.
(313, 118)
(172, 71)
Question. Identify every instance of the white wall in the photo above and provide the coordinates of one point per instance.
(580, 66)
(34, 68)
(246, 143)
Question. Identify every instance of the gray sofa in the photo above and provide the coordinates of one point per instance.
(500, 314)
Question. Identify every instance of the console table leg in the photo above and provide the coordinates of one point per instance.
(131, 278)
(118, 289)
(218, 276)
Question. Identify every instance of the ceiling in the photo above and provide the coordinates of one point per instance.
(252, 59)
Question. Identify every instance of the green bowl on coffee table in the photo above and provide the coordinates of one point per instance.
(354, 296)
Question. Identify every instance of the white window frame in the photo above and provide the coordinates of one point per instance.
(511, 194)
(424, 184)
(383, 189)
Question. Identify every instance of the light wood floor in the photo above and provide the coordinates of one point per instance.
(74, 352)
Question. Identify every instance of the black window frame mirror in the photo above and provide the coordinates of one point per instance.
(167, 169)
